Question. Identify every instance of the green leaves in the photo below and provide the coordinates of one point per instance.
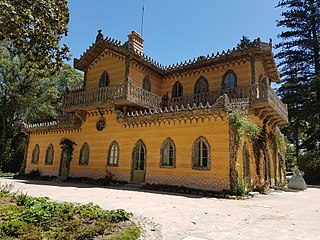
(35, 28)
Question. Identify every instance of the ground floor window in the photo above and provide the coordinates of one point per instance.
(167, 153)
(84, 154)
(201, 154)
(113, 155)
(35, 154)
(49, 155)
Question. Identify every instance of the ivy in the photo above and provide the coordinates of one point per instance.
(67, 144)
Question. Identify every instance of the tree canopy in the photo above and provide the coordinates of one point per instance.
(34, 28)
(27, 94)
(299, 65)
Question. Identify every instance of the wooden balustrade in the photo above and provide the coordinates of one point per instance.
(256, 93)
(125, 91)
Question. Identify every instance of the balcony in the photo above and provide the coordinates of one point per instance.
(63, 121)
(122, 94)
(264, 102)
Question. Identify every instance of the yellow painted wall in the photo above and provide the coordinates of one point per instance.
(114, 66)
(137, 75)
(183, 135)
(259, 70)
(214, 77)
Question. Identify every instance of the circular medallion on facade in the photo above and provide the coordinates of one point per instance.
(101, 124)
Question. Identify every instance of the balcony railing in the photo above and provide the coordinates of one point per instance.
(126, 91)
(257, 94)
(63, 121)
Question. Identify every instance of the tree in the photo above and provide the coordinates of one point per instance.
(27, 94)
(35, 28)
(299, 65)
(245, 42)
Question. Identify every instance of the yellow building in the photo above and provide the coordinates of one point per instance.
(145, 122)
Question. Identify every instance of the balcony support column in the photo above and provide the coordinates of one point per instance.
(253, 70)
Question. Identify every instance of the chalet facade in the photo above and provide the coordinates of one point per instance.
(145, 122)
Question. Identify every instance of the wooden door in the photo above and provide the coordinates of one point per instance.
(139, 160)
(64, 164)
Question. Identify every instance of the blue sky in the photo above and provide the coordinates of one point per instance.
(174, 30)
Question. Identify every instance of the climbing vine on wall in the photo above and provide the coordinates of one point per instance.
(239, 126)
(67, 144)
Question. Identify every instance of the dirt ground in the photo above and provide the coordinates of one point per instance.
(280, 215)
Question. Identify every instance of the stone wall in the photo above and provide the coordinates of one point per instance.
(189, 181)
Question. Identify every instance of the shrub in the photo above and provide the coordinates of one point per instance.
(119, 215)
(5, 189)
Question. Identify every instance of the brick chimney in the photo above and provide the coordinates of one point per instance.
(136, 42)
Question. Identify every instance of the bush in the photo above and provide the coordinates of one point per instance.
(119, 215)
(309, 163)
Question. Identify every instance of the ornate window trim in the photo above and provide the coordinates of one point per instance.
(84, 156)
(48, 153)
(146, 84)
(115, 151)
(104, 80)
(195, 158)
(177, 90)
(101, 124)
(35, 155)
(198, 85)
(168, 142)
(225, 85)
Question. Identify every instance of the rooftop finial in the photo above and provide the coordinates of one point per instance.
(99, 35)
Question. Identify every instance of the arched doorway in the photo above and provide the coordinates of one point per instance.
(139, 162)
(64, 163)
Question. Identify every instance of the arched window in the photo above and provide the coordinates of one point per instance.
(104, 80)
(113, 154)
(201, 154)
(229, 80)
(84, 154)
(49, 155)
(201, 86)
(168, 153)
(177, 90)
(35, 154)
(246, 164)
(139, 156)
(146, 85)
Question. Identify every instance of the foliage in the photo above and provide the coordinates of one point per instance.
(242, 188)
(299, 66)
(67, 144)
(39, 218)
(245, 42)
(5, 189)
(309, 163)
(242, 126)
(239, 126)
(128, 234)
(35, 28)
(30, 94)
(8, 174)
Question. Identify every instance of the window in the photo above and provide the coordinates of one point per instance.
(84, 154)
(229, 80)
(139, 156)
(146, 85)
(104, 80)
(35, 154)
(177, 90)
(201, 86)
(49, 155)
(201, 154)
(168, 153)
(113, 154)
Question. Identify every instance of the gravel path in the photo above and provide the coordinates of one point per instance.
(280, 215)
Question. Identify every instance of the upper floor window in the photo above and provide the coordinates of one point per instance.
(177, 90)
(168, 153)
(229, 80)
(84, 154)
(201, 154)
(146, 85)
(35, 154)
(113, 154)
(49, 155)
(201, 85)
(104, 80)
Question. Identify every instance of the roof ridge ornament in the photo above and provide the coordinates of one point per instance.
(99, 36)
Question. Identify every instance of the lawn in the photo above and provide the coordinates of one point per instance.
(25, 217)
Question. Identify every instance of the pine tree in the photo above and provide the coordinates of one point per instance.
(299, 65)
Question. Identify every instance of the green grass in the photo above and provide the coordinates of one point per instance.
(24, 217)
(2, 174)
